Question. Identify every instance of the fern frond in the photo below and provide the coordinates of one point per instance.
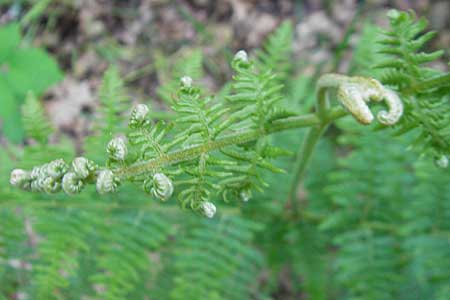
(427, 230)
(426, 106)
(124, 243)
(35, 122)
(60, 251)
(215, 256)
(185, 63)
(276, 52)
(12, 259)
(113, 101)
(368, 192)
(110, 120)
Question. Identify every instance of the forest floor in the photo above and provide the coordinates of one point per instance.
(144, 37)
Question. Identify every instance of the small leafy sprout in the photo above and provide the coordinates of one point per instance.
(138, 116)
(107, 182)
(117, 149)
(209, 209)
(160, 186)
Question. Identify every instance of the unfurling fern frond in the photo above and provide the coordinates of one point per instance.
(215, 148)
(424, 91)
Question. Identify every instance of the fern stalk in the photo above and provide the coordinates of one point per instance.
(232, 139)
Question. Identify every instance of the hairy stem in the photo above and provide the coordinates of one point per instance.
(305, 152)
(232, 139)
(303, 157)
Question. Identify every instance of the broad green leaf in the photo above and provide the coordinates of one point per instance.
(32, 69)
(9, 113)
(9, 40)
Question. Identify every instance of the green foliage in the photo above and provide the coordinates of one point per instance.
(35, 122)
(113, 102)
(369, 222)
(424, 91)
(185, 63)
(277, 51)
(22, 69)
(220, 250)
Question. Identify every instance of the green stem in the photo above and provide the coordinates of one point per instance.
(303, 157)
(232, 139)
(313, 136)
(241, 137)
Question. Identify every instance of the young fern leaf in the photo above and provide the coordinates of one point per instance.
(425, 92)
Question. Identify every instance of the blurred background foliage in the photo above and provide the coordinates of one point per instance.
(374, 218)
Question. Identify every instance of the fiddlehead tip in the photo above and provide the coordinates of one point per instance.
(138, 116)
(209, 209)
(186, 82)
(20, 178)
(57, 168)
(240, 60)
(245, 194)
(441, 161)
(241, 55)
(395, 106)
(107, 182)
(117, 149)
(72, 184)
(160, 186)
(83, 167)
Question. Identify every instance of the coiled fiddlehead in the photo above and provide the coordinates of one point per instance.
(355, 92)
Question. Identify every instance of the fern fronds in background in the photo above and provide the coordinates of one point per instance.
(188, 62)
(424, 91)
(35, 123)
(220, 250)
(276, 53)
